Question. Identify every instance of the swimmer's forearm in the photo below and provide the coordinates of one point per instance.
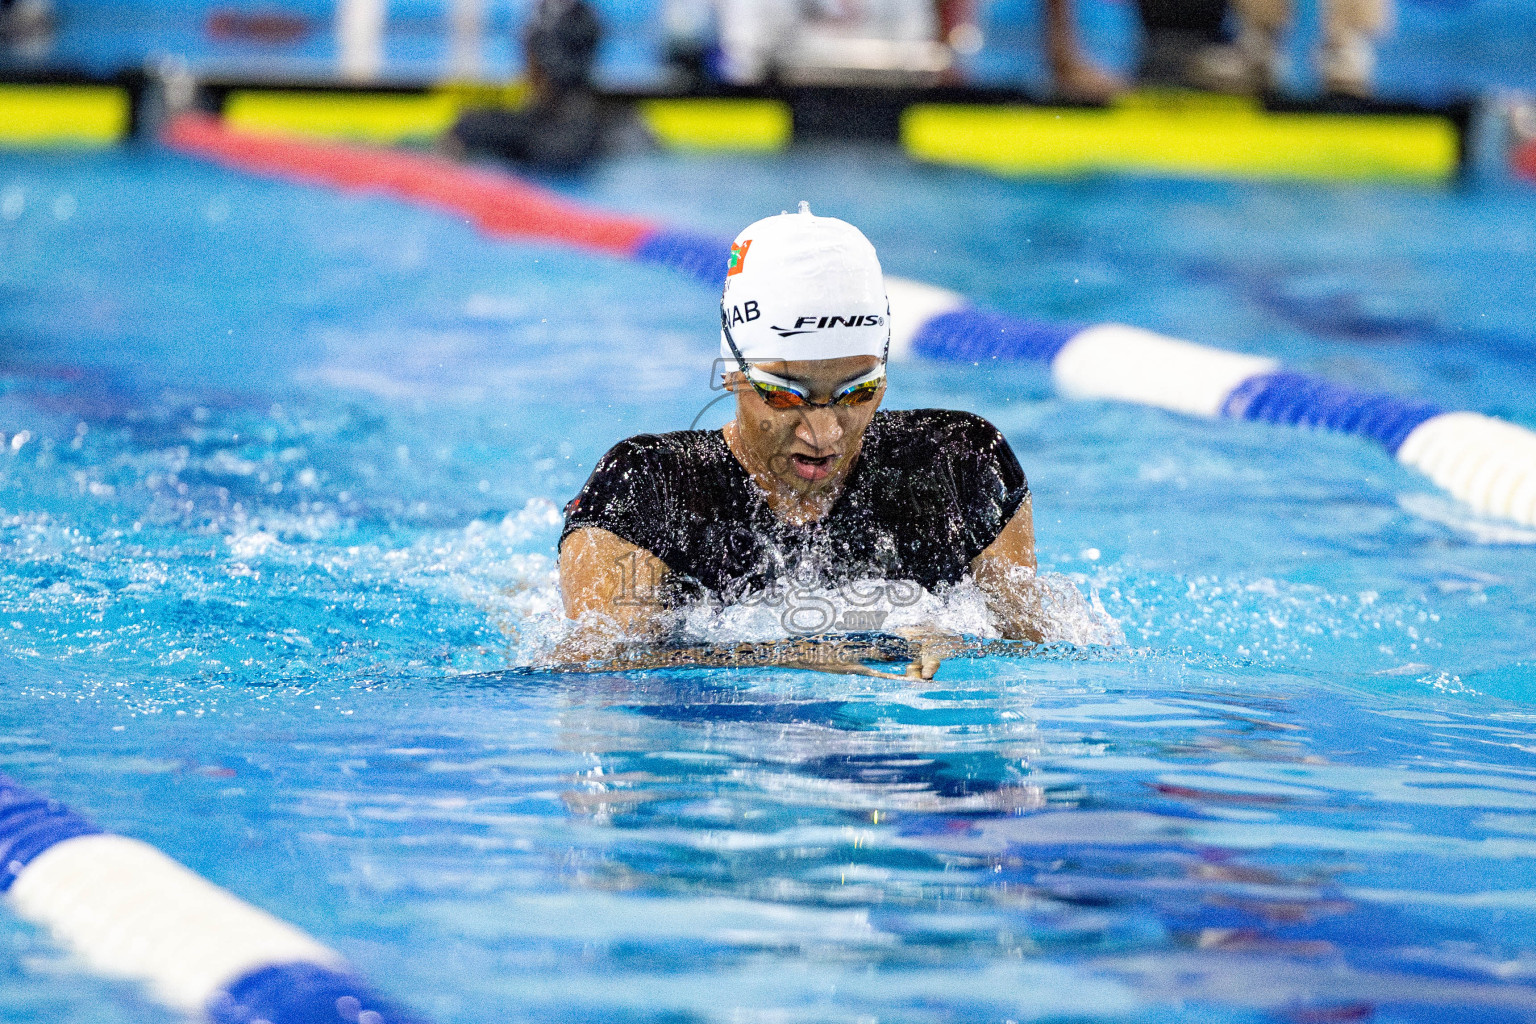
(1015, 599)
(1006, 572)
(1016, 626)
(595, 639)
(608, 580)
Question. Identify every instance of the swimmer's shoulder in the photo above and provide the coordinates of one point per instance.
(951, 427)
(969, 445)
(640, 478)
(675, 449)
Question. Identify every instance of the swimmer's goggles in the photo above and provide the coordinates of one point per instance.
(782, 394)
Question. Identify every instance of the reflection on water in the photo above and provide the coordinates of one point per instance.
(1021, 827)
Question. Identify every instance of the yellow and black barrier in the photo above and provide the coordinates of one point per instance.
(718, 124)
(1166, 133)
(34, 116)
(362, 116)
(1186, 134)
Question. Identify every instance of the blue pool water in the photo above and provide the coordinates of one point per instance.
(278, 503)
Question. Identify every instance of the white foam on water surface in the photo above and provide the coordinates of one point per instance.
(1261, 620)
(887, 606)
(862, 606)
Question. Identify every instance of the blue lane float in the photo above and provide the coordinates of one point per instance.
(976, 334)
(1301, 400)
(1488, 463)
(702, 257)
(128, 911)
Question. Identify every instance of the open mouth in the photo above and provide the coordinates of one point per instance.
(812, 467)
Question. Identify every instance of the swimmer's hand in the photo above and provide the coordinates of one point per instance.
(921, 667)
(593, 640)
(847, 654)
(929, 649)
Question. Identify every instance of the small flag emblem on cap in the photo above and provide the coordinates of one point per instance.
(738, 257)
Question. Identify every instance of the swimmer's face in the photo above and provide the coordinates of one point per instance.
(806, 449)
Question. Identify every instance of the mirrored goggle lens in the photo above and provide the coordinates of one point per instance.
(779, 397)
(859, 394)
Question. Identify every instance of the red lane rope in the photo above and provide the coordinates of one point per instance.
(498, 204)
(1524, 160)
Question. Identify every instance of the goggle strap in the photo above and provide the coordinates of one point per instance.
(725, 328)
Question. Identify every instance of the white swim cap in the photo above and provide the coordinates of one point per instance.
(804, 287)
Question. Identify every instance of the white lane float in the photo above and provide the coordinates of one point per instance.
(128, 911)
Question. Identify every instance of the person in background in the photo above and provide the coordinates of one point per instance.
(1346, 56)
(692, 46)
(742, 41)
(26, 24)
(1189, 43)
(1174, 34)
(564, 125)
(1073, 75)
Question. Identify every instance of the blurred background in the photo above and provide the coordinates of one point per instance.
(1429, 50)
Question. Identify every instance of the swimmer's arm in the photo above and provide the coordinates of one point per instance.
(610, 586)
(1005, 572)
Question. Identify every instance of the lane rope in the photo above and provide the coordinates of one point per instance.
(130, 912)
(1489, 464)
(1523, 160)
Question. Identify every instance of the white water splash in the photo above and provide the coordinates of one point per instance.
(886, 606)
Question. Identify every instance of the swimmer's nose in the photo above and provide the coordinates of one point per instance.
(819, 429)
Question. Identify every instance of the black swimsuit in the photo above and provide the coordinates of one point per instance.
(931, 490)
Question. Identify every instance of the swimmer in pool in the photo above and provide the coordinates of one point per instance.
(812, 500)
